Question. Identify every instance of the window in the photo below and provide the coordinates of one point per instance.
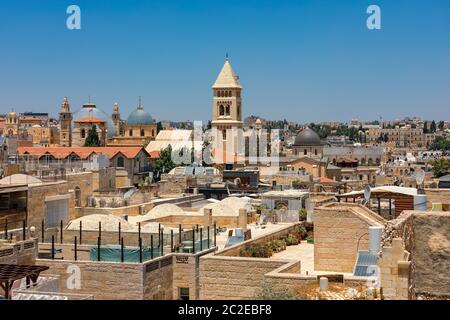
(142, 132)
(315, 152)
(183, 293)
(221, 110)
(83, 133)
(305, 152)
(130, 132)
(227, 112)
(78, 196)
(120, 162)
(224, 134)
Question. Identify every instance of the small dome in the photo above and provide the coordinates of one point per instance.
(307, 137)
(140, 117)
(12, 114)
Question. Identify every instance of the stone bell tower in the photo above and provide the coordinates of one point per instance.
(65, 122)
(227, 108)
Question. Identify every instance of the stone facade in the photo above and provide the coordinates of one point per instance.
(394, 271)
(339, 232)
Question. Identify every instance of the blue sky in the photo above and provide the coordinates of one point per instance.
(300, 60)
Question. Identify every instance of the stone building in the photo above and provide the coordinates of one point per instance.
(11, 127)
(82, 127)
(138, 130)
(308, 144)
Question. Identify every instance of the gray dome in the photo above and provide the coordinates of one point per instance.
(307, 137)
(91, 110)
(140, 117)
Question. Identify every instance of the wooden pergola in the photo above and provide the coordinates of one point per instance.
(402, 201)
(12, 272)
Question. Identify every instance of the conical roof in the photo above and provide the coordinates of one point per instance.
(227, 78)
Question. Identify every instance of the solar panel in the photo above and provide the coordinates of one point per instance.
(366, 264)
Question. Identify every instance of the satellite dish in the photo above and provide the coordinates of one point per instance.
(367, 192)
(420, 176)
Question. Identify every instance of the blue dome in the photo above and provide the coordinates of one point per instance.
(140, 117)
(91, 110)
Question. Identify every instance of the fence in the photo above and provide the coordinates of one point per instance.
(56, 245)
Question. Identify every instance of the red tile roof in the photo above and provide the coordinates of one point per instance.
(82, 152)
(326, 180)
(90, 120)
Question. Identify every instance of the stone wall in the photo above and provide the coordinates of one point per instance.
(22, 252)
(84, 182)
(395, 271)
(36, 205)
(425, 236)
(223, 277)
(338, 234)
(104, 280)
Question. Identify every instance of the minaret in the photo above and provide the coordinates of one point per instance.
(226, 108)
(116, 119)
(65, 121)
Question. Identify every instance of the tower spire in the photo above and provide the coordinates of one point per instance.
(140, 103)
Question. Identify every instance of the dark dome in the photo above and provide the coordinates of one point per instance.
(140, 117)
(307, 137)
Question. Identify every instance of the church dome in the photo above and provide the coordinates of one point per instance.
(140, 116)
(90, 110)
(307, 137)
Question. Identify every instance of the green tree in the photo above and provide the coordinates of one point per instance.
(440, 143)
(433, 127)
(441, 125)
(164, 163)
(92, 139)
(159, 127)
(440, 167)
(425, 127)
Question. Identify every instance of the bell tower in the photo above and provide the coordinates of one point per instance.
(65, 122)
(227, 107)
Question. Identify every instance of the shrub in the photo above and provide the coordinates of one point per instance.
(268, 292)
(277, 245)
(256, 251)
(309, 226)
(302, 213)
(300, 232)
(291, 240)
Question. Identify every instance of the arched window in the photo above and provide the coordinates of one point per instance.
(227, 112)
(305, 152)
(83, 133)
(142, 132)
(120, 162)
(130, 132)
(221, 110)
(230, 94)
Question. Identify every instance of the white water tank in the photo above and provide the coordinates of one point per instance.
(375, 234)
